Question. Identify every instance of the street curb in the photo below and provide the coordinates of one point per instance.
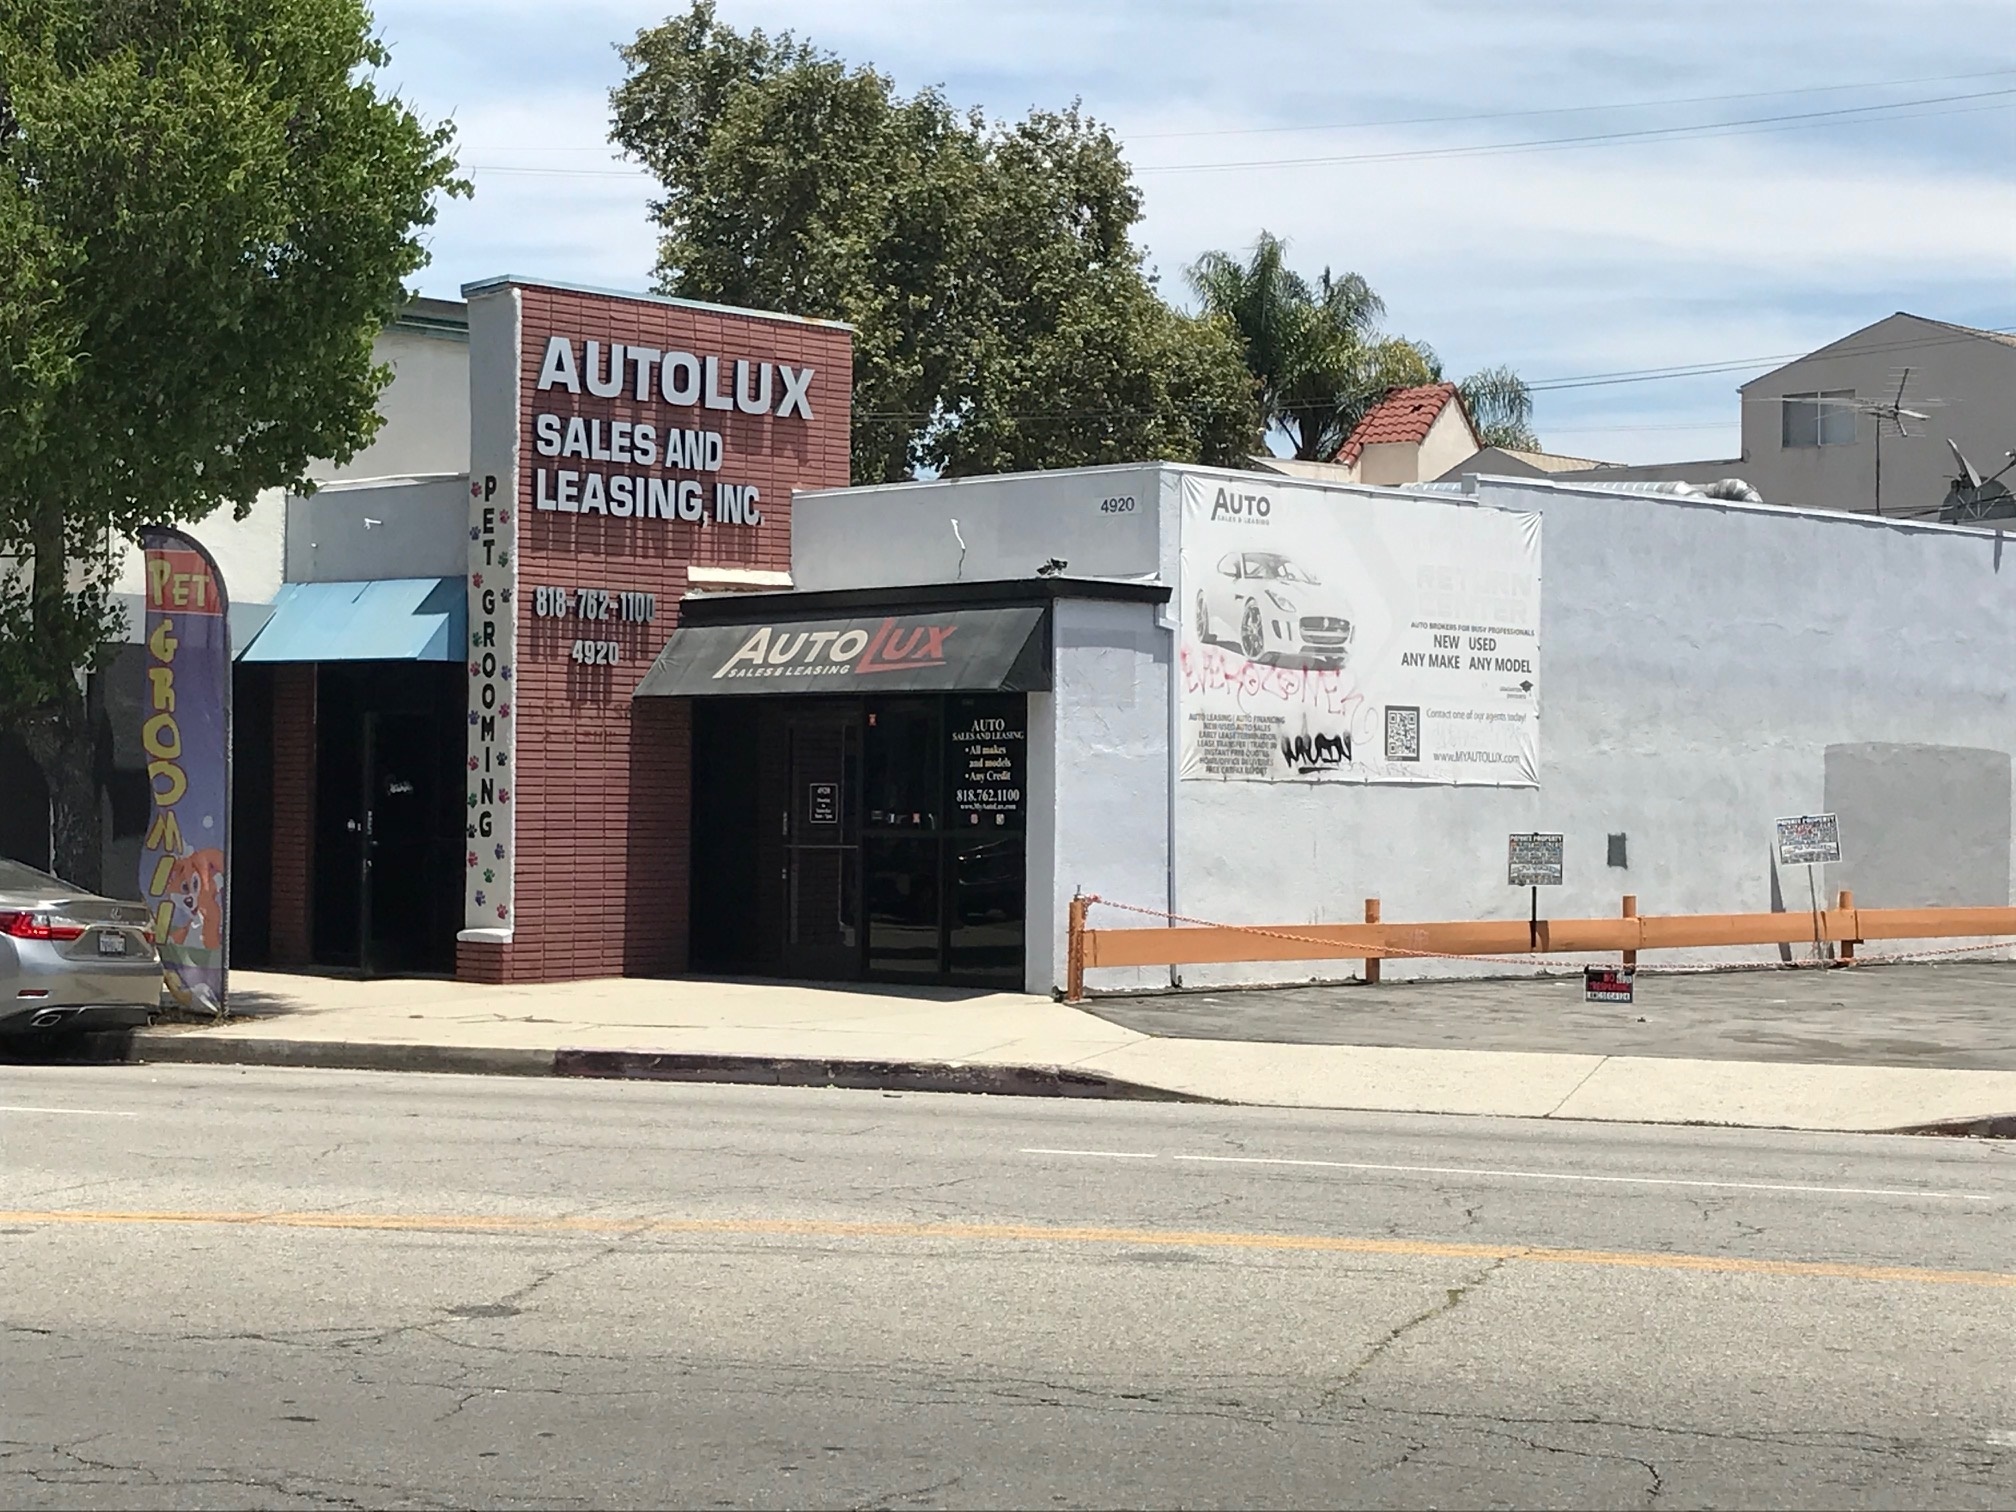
(870, 1075)
(202, 1047)
(1993, 1126)
(205, 1049)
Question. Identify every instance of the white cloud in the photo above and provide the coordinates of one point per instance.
(1561, 262)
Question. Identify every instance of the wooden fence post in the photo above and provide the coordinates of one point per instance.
(1847, 946)
(1372, 962)
(1630, 912)
(1074, 970)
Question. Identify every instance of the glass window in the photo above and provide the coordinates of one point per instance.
(1823, 418)
(986, 762)
(900, 765)
(900, 885)
(988, 903)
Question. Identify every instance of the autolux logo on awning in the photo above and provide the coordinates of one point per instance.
(773, 652)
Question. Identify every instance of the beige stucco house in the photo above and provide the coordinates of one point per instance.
(1411, 435)
(1819, 431)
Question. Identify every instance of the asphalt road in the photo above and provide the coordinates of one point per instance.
(318, 1289)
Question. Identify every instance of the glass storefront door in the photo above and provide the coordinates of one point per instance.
(901, 822)
(822, 936)
(943, 848)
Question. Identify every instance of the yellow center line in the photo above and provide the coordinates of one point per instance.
(818, 1228)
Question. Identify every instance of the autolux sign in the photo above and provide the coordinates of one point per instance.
(979, 649)
(629, 469)
(851, 650)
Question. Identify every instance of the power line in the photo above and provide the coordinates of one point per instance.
(1751, 126)
(1740, 364)
(1509, 115)
(1741, 127)
(1483, 115)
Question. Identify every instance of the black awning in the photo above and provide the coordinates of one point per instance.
(952, 650)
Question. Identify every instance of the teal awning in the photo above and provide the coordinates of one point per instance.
(389, 619)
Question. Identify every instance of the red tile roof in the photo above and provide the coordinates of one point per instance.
(1403, 415)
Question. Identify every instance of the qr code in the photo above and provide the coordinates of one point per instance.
(1403, 732)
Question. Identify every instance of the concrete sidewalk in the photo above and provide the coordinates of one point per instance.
(945, 1039)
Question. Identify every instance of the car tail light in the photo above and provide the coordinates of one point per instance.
(39, 926)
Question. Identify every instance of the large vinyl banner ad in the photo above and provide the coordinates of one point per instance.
(1333, 637)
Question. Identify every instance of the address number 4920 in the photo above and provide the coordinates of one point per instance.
(1124, 504)
(594, 653)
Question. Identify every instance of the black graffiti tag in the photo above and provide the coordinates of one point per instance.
(1308, 754)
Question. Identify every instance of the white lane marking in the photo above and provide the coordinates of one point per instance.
(1099, 1154)
(80, 1112)
(1670, 1181)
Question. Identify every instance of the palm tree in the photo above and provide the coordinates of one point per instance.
(1321, 361)
(1501, 408)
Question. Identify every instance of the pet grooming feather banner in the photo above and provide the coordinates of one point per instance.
(186, 705)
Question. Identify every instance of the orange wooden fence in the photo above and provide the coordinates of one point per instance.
(1844, 925)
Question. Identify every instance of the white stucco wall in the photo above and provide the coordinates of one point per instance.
(1102, 521)
(426, 405)
(1706, 669)
(1099, 790)
(426, 431)
(250, 553)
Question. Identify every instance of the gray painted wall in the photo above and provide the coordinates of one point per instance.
(390, 528)
(1921, 825)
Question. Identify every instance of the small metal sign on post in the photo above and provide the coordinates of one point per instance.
(1810, 840)
(1533, 861)
(1608, 984)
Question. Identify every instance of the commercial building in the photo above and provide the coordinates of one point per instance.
(1316, 695)
(594, 665)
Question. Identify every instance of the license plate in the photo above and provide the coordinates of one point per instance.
(111, 942)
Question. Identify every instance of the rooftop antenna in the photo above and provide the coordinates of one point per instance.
(1896, 414)
(1973, 497)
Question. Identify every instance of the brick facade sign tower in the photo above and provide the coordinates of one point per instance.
(622, 450)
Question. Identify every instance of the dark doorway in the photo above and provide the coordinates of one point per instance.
(388, 830)
(869, 839)
(251, 881)
(24, 808)
(820, 826)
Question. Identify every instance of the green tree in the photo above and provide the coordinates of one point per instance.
(1501, 408)
(208, 210)
(1316, 351)
(1002, 315)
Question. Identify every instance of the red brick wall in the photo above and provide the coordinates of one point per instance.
(602, 791)
(293, 812)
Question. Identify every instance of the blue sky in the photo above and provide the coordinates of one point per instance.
(1763, 239)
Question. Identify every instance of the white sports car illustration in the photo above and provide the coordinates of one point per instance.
(1273, 611)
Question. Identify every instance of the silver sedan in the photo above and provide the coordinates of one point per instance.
(71, 960)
